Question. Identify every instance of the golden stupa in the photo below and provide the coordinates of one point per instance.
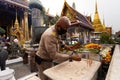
(98, 26)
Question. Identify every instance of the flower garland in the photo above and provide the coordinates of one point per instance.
(93, 45)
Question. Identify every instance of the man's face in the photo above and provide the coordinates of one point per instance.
(61, 31)
(62, 25)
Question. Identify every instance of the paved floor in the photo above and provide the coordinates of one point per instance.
(21, 69)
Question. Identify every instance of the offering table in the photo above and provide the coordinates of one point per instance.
(75, 70)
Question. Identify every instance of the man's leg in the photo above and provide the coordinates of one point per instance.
(43, 66)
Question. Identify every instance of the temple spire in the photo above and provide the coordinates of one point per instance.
(98, 26)
(73, 5)
(103, 20)
(96, 10)
(104, 24)
(16, 25)
(96, 16)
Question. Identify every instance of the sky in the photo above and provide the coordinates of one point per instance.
(109, 10)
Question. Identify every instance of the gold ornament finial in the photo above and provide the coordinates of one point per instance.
(64, 0)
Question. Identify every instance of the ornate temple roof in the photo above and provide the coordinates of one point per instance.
(35, 4)
(98, 26)
(75, 15)
(8, 9)
(18, 3)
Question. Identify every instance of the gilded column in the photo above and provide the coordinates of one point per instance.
(26, 26)
(23, 26)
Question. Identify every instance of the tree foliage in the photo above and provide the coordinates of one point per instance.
(53, 21)
(105, 38)
(2, 31)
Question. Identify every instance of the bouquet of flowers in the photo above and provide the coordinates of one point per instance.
(106, 55)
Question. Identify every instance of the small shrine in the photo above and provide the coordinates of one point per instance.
(14, 19)
(17, 31)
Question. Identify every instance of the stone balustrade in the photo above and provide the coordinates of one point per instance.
(114, 68)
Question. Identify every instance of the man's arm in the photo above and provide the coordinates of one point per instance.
(52, 49)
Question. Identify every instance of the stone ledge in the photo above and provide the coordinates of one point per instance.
(31, 76)
(19, 59)
(114, 68)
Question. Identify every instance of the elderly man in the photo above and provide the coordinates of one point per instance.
(48, 47)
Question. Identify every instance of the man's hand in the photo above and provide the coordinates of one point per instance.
(76, 57)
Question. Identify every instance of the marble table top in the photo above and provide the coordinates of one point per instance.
(75, 70)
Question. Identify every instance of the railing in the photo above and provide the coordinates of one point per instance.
(114, 68)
